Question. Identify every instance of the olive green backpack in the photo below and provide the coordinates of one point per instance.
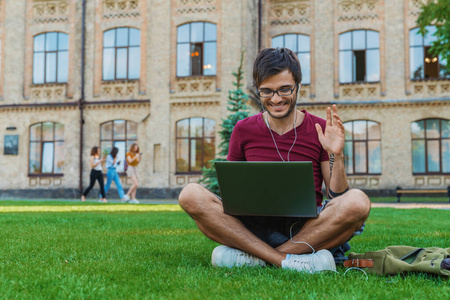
(399, 259)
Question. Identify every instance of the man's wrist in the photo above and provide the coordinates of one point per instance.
(336, 155)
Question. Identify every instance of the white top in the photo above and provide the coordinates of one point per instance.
(99, 166)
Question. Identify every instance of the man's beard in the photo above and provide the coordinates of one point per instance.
(292, 105)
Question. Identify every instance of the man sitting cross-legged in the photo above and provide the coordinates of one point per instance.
(283, 133)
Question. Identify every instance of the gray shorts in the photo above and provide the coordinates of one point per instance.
(276, 231)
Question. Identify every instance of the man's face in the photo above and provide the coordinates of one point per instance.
(279, 107)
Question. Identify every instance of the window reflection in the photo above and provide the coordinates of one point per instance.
(362, 152)
(430, 146)
(195, 144)
(300, 45)
(118, 133)
(359, 56)
(196, 49)
(121, 53)
(46, 150)
(422, 63)
(50, 58)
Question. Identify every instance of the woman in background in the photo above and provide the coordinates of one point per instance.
(133, 159)
(111, 174)
(96, 174)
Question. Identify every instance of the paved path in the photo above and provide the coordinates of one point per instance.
(413, 205)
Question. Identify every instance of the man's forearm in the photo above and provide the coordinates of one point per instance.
(338, 177)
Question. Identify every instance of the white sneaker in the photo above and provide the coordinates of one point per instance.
(224, 256)
(319, 261)
(134, 201)
(125, 198)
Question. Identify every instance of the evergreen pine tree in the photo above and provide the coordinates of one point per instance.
(238, 111)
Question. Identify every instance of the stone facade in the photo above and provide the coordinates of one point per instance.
(158, 99)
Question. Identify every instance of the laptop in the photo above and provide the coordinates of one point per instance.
(267, 188)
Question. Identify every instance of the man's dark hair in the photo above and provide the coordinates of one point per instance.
(114, 152)
(271, 61)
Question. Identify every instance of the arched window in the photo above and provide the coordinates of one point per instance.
(46, 148)
(195, 144)
(50, 58)
(422, 64)
(298, 43)
(118, 133)
(196, 49)
(121, 53)
(359, 56)
(362, 150)
(430, 146)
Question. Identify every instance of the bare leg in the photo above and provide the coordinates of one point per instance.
(134, 185)
(207, 211)
(334, 225)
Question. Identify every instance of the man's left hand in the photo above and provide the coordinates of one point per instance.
(333, 139)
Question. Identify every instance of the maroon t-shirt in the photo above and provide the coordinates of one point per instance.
(251, 141)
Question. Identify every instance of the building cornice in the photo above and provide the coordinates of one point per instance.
(73, 104)
(382, 103)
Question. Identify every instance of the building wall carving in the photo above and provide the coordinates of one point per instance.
(50, 11)
(289, 12)
(359, 91)
(115, 9)
(196, 6)
(194, 86)
(414, 7)
(357, 10)
(366, 182)
(47, 93)
(431, 88)
(120, 90)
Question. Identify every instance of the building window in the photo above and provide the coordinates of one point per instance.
(196, 49)
(431, 146)
(195, 144)
(359, 56)
(362, 150)
(299, 44)
(121, 53)
(50, 58)
(46, 148)
(422, 64)
(118, 133)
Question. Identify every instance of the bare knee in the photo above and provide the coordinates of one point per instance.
(353, 207)
(357, 204)
(189, 196)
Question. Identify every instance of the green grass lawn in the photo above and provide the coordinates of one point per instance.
(411, 199)
(60, 250)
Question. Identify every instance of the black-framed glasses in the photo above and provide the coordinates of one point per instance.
(281, 92)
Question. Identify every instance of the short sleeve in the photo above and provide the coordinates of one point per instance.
(235, 149)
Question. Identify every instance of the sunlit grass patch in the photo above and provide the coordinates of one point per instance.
(91, 208)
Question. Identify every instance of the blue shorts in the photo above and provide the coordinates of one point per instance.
(276, 231)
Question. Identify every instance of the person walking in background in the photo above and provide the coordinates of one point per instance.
(111, 174)
(96, 174)
(133, 158)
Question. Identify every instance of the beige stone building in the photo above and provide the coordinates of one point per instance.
(76, 74)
